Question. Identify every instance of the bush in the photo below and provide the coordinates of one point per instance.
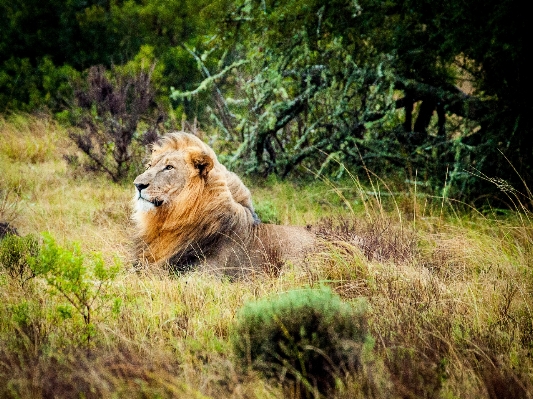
(33, 85)
(115, 113)
(80, 280)
(306, 338)
(267, 212)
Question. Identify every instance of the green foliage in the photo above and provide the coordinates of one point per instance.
(27, 87)
(80, 280)
(433, 92)
(15, 254)
(267, 212)
(479, 47)
(43, 44)
(314, 92)
(309, 337)
(27, 318)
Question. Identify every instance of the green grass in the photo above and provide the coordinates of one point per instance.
(449, 290)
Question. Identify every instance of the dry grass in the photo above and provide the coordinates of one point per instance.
(450, 293)
(31, 140)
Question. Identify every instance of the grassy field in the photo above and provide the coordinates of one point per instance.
(448, 290)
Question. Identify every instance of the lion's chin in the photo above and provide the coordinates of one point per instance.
(142, 205)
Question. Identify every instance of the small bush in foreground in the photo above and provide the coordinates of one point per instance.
(80, 280)
(306, 338)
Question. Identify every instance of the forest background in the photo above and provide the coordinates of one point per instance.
(436, 95)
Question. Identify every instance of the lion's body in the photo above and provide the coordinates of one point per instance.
(191, 211)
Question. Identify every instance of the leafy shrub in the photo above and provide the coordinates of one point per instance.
(80, 280)
(306, 338)
(31, 85)
(113, 112)
(15, 252)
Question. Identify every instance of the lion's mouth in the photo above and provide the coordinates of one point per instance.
(155, 202)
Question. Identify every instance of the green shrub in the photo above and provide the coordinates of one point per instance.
(80, 280)
(306, 338)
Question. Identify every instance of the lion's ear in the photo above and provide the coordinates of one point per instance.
(203, 162)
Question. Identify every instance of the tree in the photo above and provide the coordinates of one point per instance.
(46, 44)
(373, 84)
(442, 45)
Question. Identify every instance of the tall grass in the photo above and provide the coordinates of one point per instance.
(449, 290)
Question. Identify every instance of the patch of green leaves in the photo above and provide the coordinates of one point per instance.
(79, 279)
(267, 212)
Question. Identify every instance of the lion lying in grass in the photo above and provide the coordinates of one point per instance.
(191, 212)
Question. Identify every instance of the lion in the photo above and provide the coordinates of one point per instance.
(192, 213)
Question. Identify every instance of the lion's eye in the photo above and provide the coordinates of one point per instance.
(148, 166)
(169, 167)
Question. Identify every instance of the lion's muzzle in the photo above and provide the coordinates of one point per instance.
(142, 186)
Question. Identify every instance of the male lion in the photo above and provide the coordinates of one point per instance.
(191, 212)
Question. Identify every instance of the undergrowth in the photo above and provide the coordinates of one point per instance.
(448, 290)
(308, 338)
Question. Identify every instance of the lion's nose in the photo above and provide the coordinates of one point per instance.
(141, 186)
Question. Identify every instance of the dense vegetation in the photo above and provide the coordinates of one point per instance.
(432, 93)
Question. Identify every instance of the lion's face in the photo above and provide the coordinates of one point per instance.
(167, 174)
